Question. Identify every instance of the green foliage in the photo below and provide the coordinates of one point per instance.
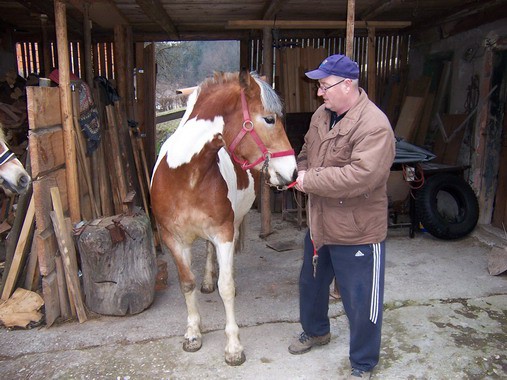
(186, 64)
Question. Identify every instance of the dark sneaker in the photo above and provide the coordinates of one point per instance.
(304, 343)
(358, 374)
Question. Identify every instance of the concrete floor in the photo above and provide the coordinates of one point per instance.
(445, 318)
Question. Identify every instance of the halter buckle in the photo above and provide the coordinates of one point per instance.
(246, 123)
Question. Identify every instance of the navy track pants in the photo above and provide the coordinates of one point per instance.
(359, 272)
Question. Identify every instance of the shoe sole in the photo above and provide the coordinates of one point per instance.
(323, 343)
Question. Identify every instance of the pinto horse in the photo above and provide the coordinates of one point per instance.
(205, 181)
(13, 176)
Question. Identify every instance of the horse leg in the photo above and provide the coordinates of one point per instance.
(210, 271)
(234, 355)
(183, 260)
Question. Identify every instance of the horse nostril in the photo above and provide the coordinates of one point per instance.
(23, 181)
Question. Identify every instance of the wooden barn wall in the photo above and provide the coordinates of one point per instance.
(30, 59)
(294, 56)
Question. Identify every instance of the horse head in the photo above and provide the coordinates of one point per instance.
(258, 141)
(13, 176)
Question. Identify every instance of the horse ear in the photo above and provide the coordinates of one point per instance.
(244, 78)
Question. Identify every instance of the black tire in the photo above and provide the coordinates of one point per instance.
(447, 206)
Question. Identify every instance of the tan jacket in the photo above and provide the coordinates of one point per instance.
(347, 170)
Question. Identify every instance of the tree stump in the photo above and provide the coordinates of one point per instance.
(119, 264)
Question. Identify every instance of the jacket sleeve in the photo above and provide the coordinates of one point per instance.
(302, 161)
(369, 167)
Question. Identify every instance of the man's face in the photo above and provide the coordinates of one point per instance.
(333, 92)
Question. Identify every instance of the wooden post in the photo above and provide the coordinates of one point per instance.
(372, 67)
(46, 46)
(267, 71)
(66, 111)
(349, 44)
(119, 61)
(150, 80)
(87, 44)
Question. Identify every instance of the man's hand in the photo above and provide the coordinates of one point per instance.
(299, 180)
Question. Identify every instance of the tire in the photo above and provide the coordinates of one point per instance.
(447, 206)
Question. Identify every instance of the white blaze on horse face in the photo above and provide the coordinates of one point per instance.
(241, 200)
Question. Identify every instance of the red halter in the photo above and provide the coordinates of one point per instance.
(248, 127)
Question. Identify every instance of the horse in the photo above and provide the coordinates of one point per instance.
(206, 179)
(14, 179)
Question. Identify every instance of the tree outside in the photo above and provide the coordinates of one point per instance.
(186, 64)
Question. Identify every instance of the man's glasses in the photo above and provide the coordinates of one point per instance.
(318, 86)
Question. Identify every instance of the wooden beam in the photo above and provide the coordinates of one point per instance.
(349, 40)
(46, 8)
(155, 10)
(378, 8)
(66, 111)
(286, 24)
(272, 8)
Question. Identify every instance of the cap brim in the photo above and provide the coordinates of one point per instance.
(316, 74)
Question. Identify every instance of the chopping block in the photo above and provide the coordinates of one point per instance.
(119, 265)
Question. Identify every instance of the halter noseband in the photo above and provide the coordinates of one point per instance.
(6, 156)
(248, 127)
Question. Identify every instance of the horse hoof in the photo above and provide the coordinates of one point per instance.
(207, 289)
(235, 360)
(192, 345)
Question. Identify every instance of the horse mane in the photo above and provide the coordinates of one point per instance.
(2, 133)
(270, 99)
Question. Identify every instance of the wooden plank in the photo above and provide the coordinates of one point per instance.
(40, 100)
(32, 269)
(81, 154)
(46, 150)
(66, 110)
(409, 117)
(46, 247)
(67, 250)
(63, 294)
(447, 151)
(120, 191)
(51, 300)
(14, 269)
(372, 78)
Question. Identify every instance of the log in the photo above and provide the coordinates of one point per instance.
(119, 265)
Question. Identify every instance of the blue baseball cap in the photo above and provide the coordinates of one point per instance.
(337, 64)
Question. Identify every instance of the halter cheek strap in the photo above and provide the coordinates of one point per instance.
(6, 156)
(248, 127)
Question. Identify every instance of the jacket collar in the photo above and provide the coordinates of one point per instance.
(344, 126)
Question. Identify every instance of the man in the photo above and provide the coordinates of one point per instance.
(343, 166)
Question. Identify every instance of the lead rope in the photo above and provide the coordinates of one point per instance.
(315, 257)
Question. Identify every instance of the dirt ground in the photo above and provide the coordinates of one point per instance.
(445, 318)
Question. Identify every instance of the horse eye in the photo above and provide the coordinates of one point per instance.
(269, 119)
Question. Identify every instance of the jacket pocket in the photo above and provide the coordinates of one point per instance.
(338, 155)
